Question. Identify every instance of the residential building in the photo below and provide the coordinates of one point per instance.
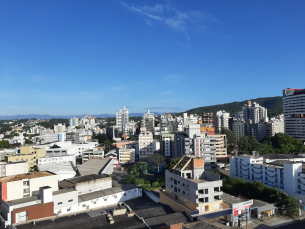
(145, 145)
(48, 138)
(221, 121)
(73, 137)
(221, 145)
(182, 144)
(167, 144)
(60, 128)
(149, 121)
(238, 129)
(189, 188)
(13, 168)
(294, 112)
(278, 124)
(208, 117)
(254, 113)
(122, 118)
(284, 172)
(126, 155)
(73, 122)
(28, 154)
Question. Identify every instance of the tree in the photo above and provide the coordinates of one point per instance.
(156, 159)
(231, 141)
(264, 148)
(34, 168)
(27, 141)
(173, 162)
(4, 144)
(247, 144)
(137, 169)
(102, 138)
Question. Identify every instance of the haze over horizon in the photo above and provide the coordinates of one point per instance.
(79, 57)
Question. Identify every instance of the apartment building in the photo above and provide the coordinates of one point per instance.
(196, 191)
(294, 112)
(221, 121)
(59, 128)
(149, 121)
(73, 137)
(285, 172)
(73, 122)
(238, 129)
(29, 154)
(122, 118)
(126, 155)
(145, 145)
(254, 113)
(167, 144)
(221, 145)
(92, 153)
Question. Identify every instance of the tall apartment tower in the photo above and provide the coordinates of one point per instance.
(294, 112)
(208, 117)
(149, 121)
(122, 118)
(221, 121)
(254, 113)
(73, 122)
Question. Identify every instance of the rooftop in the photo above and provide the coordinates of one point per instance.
(229, 199)
(70, 183)
(25, 176)
(61, 191)
(93, 166)
(21, 200)
(105, 192)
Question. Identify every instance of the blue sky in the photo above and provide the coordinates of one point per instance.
(69, 57)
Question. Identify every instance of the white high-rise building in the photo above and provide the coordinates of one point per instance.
(254, 113)
(122, 118)
(145, 145)
(278, 124)
(149, 121)
(221, 121)
(294, 112)
(73, 122)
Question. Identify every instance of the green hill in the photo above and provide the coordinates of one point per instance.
(273, 104)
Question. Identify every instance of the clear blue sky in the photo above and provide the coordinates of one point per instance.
(68, 57)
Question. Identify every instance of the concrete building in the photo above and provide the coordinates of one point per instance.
(73, 122)
(254, 113)
(285, 172)
(60, 128)
(92, 153)
(238, 129)
(149, 121)
(48, 138)
(122, 118)
(73, 137)
(26, 185)
(28, 154)
(221, 121)
(126, 155)
(13, 168)
(57, 159)
(278, 124)
(167, 144)
(294, 112)
(145, 145)
(192, 190)
(207, 117)
(221, 145)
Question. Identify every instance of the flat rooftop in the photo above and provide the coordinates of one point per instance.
(31, 175)
(229, 199)
(93, 166)
(21, 200)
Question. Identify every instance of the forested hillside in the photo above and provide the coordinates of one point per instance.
(273, 104)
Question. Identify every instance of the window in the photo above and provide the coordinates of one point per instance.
(59, 203)
(69, 209)
(206, 199)
(84, 205)
(70, 200)
(125, 194)
(206, 191)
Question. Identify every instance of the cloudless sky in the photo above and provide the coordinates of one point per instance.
(71, 57)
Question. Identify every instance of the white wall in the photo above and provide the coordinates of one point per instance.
(36, 183)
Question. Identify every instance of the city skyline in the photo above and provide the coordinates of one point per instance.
(77, 57)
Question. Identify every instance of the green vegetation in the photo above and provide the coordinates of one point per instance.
(104, 140)
(34, 168)
(231, 141)
(136, 171)
(279, 143)
(54, 121)
(27, 141)
(4, 144)
(173, 162)
(156, 159)
(273, 104)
